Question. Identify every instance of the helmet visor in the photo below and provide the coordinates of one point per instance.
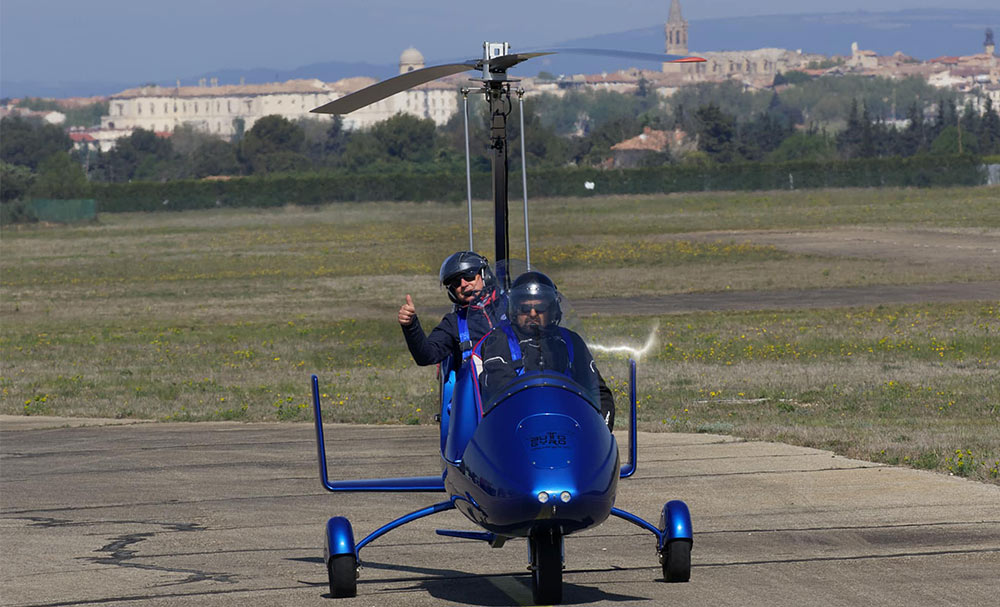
(454, 281)
(533, 305)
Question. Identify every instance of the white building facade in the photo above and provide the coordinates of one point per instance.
(224, 110)
(212, 109)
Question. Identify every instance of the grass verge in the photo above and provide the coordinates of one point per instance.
(222, 315)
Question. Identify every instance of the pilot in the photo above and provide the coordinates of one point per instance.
(534, 341)
(471, 286)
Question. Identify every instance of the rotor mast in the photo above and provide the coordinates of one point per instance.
(496, 86)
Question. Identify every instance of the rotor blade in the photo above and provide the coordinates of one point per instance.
(607, 52)
(506, 61)
(387, 88)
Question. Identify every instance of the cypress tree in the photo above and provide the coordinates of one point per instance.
(989, 129)
(867, 147)
(849, 140)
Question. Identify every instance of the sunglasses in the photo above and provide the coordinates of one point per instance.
(456, 281)
(541, 307)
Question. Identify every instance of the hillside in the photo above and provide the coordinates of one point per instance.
(923, 34)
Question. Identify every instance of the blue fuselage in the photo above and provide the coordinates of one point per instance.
(542, 438)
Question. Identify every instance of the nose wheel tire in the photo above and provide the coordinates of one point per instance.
(546, 568)
(343, 572)
(676, 559)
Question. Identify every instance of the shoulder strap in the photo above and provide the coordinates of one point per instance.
(464, 341)
(515, 348)
(568, 338)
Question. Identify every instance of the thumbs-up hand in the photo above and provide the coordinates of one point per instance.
(407, 312)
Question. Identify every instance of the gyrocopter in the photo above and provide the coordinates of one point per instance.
(541, 463)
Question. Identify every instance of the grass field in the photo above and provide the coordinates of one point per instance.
(223, 314)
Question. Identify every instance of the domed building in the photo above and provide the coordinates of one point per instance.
(410, 60)
(437, 100)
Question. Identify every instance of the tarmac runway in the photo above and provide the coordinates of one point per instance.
(233, 514)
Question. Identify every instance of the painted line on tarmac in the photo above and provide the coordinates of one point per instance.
(512, 588)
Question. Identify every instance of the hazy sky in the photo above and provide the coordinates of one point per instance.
(140, 40)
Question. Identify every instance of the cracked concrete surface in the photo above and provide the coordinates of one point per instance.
(233, 514)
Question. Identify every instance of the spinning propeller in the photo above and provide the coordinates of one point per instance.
(494, 65)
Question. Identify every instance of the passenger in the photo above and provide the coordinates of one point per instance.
(534, 341)
(471, 286)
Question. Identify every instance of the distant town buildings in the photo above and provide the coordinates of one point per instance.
(633, 152)
(861, 59)
(977, 76)
(226, 110)
(49, 116)
(757, 67)
(214, 109)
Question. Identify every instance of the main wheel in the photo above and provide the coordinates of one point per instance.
(546, 568)
(677, 561)
(343, 572)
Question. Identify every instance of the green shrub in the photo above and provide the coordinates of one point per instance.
(16, 211)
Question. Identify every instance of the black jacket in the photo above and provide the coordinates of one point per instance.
(443, 339)
(545, 352)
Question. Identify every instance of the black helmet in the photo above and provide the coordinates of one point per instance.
(468, 264)
(535, 287)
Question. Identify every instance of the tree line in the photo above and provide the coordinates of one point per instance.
(812, 119)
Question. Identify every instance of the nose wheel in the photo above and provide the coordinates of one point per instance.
(546, 567)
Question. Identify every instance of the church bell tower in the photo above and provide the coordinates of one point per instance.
(677, 37)
(676, 30)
